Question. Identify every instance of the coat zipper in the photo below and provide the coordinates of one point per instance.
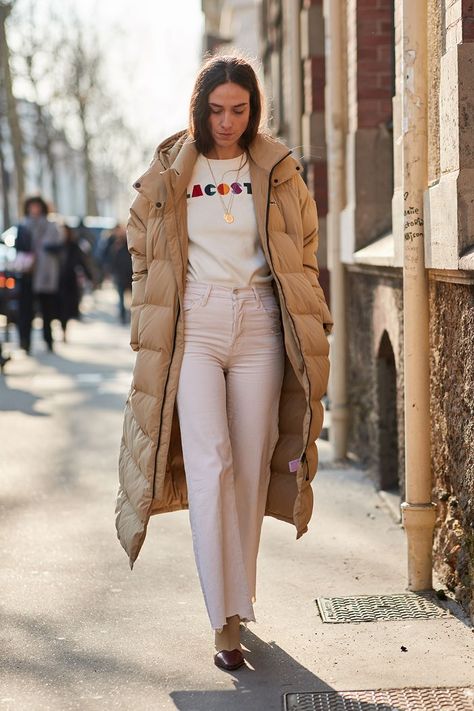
(303, 455)
(164, 395)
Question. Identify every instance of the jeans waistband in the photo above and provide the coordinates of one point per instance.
(229, 292)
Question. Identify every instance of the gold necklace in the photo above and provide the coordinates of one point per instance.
(228, 216)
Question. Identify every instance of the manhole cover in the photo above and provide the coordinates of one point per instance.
(446, 699)
(368, 608)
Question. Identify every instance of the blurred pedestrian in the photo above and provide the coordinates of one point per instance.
(85, 237)
(107, 251)
(229, 322)
(121, 269)
(74, 263)
(3, 359)
(41, 238)
(23, 267)
(91, 245)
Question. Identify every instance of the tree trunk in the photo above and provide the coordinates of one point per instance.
(4, 182)
(46, 149)
(13, 120)
(91, 198)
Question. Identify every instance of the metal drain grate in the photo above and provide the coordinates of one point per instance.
(368, 608)
(445, 699)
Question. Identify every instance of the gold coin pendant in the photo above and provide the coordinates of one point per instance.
(228, 217)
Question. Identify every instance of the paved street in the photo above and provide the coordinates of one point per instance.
(81, 631)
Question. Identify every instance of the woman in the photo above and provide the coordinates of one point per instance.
(43, 283)
(74, 261)
(121, 268)
(229, 322)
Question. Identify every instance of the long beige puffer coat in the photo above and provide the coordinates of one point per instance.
(152, 477)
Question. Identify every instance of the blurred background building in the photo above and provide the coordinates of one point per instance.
(52, 166)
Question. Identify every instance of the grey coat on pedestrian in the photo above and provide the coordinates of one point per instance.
(47, 242)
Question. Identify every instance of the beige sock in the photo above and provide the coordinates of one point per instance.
(221, 639)
(229, 638)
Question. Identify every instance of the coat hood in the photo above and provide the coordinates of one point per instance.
(177, 154)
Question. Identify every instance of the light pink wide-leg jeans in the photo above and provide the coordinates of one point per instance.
(228, 395)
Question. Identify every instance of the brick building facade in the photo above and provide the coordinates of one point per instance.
(292, 53)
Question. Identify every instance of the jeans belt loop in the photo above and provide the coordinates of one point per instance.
(205, 296)
(257, 296)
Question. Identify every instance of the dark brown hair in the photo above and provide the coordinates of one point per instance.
(35, 200)
(219, 70)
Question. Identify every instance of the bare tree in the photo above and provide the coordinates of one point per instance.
(61, 61)
(11, 105)
(84, 90)
(107, 142)
(118, 152)
(4, 178)
(33, 49)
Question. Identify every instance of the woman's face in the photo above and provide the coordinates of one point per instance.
(229, 106)
(35, 210)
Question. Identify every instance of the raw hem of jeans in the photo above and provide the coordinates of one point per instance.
(243, 620)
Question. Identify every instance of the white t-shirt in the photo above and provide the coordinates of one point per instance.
(219, 252)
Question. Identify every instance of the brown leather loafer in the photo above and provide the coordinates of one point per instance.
(229, 660)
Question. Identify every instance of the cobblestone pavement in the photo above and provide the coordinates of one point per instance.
(81, 631)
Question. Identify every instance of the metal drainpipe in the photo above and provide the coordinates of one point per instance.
(335, 133)
(418, 512)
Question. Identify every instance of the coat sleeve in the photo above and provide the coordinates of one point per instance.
(24, 239)
(309, 215)
(136, 242)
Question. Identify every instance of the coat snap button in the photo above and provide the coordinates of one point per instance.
(275, 180)
(137, 185)
(158, 204)
(298, 167)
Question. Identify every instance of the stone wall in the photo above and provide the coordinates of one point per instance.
(452, 434)
(374, 306)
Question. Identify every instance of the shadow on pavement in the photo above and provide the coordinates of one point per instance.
(52, 656)
(272, 672)
(95, 391)
(15, 400)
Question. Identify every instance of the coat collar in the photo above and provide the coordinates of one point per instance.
(177, 155)
(267, 152)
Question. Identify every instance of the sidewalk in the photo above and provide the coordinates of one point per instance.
(80, 631)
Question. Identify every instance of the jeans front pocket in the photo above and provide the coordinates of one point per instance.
(270, 305)
(191, 302)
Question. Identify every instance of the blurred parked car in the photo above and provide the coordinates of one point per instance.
(9, 279)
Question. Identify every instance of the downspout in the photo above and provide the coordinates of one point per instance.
(418, 512)
(334, 14)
